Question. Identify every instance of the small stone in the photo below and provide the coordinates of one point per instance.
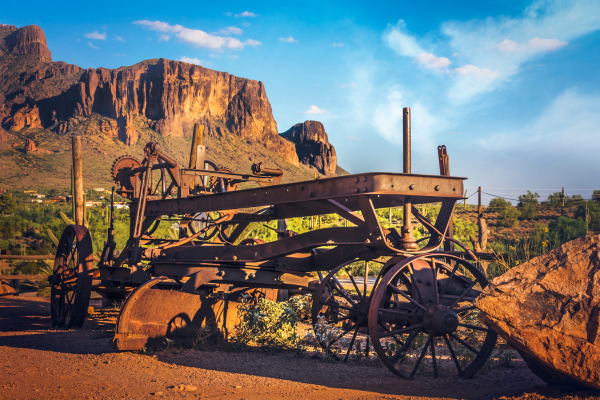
(158, 394)
(186, 388)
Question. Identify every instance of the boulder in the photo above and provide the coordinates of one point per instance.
(30, 146)
(548, 310)
(24, 118)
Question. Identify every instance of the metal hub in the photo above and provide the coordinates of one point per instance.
(359, 313)
(440, 320)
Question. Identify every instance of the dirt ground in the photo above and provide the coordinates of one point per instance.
(37, 362)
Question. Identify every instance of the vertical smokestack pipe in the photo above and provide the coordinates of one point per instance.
(406, 141)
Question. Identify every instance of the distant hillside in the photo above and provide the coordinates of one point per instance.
(118, 111)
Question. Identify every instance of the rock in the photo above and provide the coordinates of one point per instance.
(548, 309)
(5, 288)
(109, 127)
(24, 118)
(30, 146)
(28, 40)
(186, 388)
(313, 147)
(3, 136)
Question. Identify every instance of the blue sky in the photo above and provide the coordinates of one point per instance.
(511, 88)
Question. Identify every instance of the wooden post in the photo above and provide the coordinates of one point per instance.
(198, 150)
(78, 174)
(479, 204)
(465, 199)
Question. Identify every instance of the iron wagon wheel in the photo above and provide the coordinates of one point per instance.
(425, 305)
(72, 279)
(336, 313)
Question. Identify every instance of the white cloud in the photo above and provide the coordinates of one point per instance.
(119, 38)
(246, 14)
(228, 13)
(164, 38)
(501, 43)
(429, 60)
(96, 35)
(289, 40)
(348, 85)
(569, 123)
(92, 46)
(229, 30)
(468, 69)
(535, 44)
(353, 138)
(191, 60)
(338, 44)
(454, 54)
(316, 110)
(401, 42)
(196, 37)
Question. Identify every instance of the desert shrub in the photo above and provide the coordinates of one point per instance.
(528, 197)
(593, 214)
(509, 216)
(529, 211)
(7, 204)
(566, 228)
(269, 324)
(497, 204)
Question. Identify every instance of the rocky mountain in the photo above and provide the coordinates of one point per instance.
(163, 96)
(313, 147)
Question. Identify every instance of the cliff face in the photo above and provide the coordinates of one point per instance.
(27, 40)
(313, 147)
(163, 95)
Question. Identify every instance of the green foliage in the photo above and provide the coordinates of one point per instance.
(7, 204)
(529, 211)
(269, 324)
(464, 229)
(596, 195)
(508, 217)
(513, 252)
(528, 197)
(593, 214)
(498, 204)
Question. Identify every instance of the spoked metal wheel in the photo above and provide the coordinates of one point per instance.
(340, 317)
(72, 278)
(422, 313)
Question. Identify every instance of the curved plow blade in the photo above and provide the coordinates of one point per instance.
(151, 316)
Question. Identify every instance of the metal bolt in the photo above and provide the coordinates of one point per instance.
(437, 188)
(234, 258)
(411, 187)
(419, 281)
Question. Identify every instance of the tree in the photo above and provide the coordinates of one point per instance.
(529, 211)
(528, 198)
(7, 204)
(498, 204)
(596, 195)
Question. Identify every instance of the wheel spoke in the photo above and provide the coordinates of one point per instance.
(342, 335)
(404, 347)
(447, 283)
(392, 311)
(435, 371)
(407, 297)
(344, 294)
(467, 345)
(396, 332)
(414, 371)
(387, 330)
(337, 305)
(414, 283)
(467, 290)
(452, 354)
(479, 328)
(354, 283)
(434, 271)
(351, 343)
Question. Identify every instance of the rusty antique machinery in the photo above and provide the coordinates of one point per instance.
(421, 301)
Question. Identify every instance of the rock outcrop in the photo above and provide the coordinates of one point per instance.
(23, 119)
(28, 40)
(548, 309)
(30, 146)
(313, 147)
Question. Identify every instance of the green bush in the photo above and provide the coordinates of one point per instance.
(593, 216)
(497, 204)
(269, 324)
(509, 216)
(7, 204)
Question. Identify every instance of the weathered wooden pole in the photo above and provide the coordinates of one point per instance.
(198, 151)
(479, 204)
(78, 177)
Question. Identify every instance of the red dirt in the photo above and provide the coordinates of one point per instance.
(38, 362)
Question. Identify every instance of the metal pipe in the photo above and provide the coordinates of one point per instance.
(406, 140)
